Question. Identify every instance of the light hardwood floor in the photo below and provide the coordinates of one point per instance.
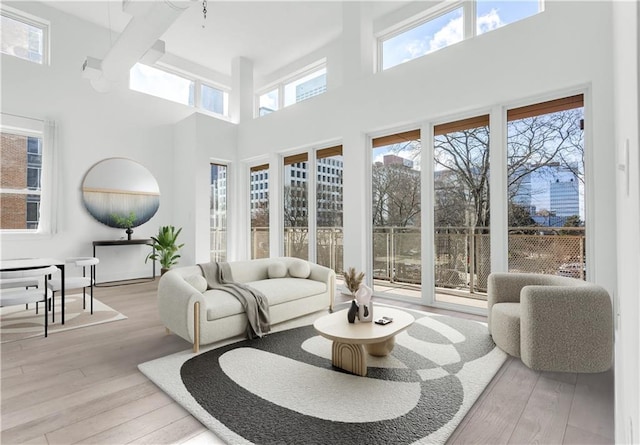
(83, 386)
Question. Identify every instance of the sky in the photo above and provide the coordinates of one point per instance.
(447, 29)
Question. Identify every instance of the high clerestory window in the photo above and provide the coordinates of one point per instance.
(302, 86)
(449, 24)
(24, 36)
(178, 88)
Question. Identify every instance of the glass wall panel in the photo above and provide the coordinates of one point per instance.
(396, 192)
(545, 167)
(218, 206)
(329, 173)
(296, 210)
(259, 202)
(461, 211)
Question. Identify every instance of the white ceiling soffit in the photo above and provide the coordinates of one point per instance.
(150, 20)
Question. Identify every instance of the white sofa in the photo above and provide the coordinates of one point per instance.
(203, 316)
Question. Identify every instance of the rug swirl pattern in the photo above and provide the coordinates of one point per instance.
(283, 389)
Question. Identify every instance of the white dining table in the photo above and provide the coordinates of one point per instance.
(36, 263)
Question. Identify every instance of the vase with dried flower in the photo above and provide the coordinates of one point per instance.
(352, 281)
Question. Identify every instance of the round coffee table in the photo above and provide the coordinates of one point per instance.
(351, 339)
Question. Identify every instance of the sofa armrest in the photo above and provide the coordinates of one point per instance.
(570, 324)
(327, 276)
(176, 299)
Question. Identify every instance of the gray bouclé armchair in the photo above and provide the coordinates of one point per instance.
(552, 323)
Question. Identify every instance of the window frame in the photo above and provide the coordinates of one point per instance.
(225, 229)
(37, 22)
(198, 83)
(36, 128)
(469, 24)
(282, 83)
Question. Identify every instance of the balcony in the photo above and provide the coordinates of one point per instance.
(462, 255)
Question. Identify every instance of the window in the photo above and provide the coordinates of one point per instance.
(546, 176)
(159, 83)
(306, 85)
(329, 234)
(296, 220)
(268, 102)
(492, 14)
(218, 212)
(177, 88)
(422, 39)
(446, 27)
(21, 178)
(214, 100)
(396, 237)
(25, 38)
(260, 212)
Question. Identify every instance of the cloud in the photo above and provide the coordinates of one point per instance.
(450, 33)
(489, 22)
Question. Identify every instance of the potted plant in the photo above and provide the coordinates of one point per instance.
(166, 247)
(124, 222)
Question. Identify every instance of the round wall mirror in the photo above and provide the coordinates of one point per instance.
(120, 193)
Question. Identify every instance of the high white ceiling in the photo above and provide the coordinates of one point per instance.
(270, 33)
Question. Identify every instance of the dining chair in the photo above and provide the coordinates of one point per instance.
(70, 282)
(12, 296)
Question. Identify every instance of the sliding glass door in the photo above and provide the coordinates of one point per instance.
(396, 207)
(461, 211)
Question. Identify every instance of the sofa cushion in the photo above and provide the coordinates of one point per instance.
(197, 281)
(299, 269)
(277, 269)
(221, 304)
(281, 290)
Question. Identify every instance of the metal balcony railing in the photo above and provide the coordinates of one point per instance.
(462, 254)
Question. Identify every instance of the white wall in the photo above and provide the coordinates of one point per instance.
(198, 141)
(550, 54)
(626, 19)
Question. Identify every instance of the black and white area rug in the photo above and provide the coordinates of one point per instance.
(283, 389)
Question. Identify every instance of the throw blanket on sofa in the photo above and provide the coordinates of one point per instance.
(255, 304)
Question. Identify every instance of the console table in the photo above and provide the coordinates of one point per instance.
(125, 242)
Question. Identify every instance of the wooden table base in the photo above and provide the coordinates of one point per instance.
(353, 358)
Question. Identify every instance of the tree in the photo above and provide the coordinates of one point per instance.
(260, 215)
(573, 221)
(396, 196)
(296, 220)
(519, 216)
(544, 144)
(465, 155)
